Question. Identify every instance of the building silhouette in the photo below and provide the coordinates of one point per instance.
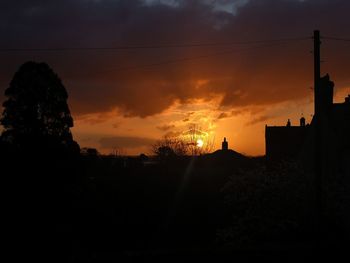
(224, 145)
(285, 142)
(324, 145)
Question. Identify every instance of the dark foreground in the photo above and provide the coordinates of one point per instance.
(208, 208)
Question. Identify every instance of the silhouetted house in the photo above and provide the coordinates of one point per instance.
(224, 145)
(285, 142)
(328, 133)
(331, 125)
(225, 154)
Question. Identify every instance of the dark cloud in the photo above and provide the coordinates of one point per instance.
(166, 127)
(223, 115)
(237, 112)
(116, 125)
(125, 142)
(244, 76)
(172, 134)
(257, 120)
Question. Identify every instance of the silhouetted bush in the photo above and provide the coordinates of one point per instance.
(267, 205)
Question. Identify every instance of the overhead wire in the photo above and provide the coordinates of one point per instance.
(336, 38)
(158, 46)
(261, 44)
(173, 61)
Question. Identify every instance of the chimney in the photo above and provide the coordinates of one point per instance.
(225, 145)
(347, 99)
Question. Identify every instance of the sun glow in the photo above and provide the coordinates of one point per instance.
(200, 143)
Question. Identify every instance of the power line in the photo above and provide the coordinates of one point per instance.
(160, 46)
(173, 61)
(337, 39)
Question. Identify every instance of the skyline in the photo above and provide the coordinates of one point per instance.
(232, 95)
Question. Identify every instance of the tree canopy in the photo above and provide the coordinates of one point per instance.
(36, 115)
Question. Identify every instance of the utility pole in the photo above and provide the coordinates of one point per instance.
(317, 70)
(318, 176)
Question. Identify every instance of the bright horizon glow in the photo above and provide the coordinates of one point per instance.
(200, 143)
(244, 127)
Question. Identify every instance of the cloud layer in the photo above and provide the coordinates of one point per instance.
(121, 142)
(147, 82)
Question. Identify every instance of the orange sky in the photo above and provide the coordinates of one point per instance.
(244, 128)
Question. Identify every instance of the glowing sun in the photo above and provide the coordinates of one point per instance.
(200, 143)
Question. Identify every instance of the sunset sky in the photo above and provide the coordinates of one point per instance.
(125, 99)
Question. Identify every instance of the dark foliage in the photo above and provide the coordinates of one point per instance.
(39, 162)
(268, 205)
(274, 207)
(36, 116)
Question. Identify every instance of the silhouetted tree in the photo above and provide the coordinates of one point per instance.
(89, 152)
(165, 152)
(143, 157)
(40, 167)
(36, 116)
(268, 205)
(191, 138)
(169, 148)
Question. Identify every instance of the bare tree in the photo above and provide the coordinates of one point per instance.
(198, 141)
(170, 147)
(192, 142)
